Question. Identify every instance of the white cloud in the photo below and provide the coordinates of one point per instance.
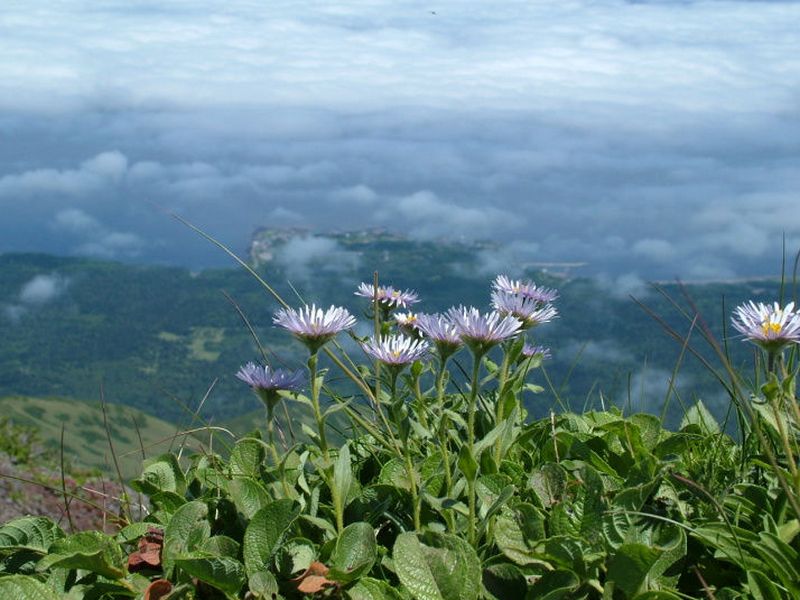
(102, 170)
(302, 256)
(36, 292)
(42, 289)
(428, 216)
(656, 139)
(95, 238)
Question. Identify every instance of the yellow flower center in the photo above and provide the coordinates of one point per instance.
(768, 328)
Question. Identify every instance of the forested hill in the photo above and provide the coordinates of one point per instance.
(158, 337)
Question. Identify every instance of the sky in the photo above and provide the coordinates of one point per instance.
(649, 139)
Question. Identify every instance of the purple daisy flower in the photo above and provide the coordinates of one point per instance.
(396, 350)
(266, 378)
(441, 331)
(267, 382)
(771, 327)
(312, 325)
(482, 332)
(387, 295)
(531, 351)
(526, 289)
(530, 312)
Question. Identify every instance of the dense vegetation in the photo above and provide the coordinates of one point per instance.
(444, 488)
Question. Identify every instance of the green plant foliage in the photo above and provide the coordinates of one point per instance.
(437, 566)
(417, 482)
(29, 533)
(20, 587)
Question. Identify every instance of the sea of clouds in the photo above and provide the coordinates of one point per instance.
(650, 139)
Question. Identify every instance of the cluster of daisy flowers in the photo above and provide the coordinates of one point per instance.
(517, 307)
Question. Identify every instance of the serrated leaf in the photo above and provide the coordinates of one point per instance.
(161, 474)
(89, 550)
(295, 556)
(248, 495)
(265, 531)
(368, 588)
(30, 533)
(517, 529)
(188, 527)
(394, 473)
(247, 457)
(222, 572)
(22, 587)
(263, 585)
(548, 483)
(437, 566)
(220, 545)
(132, 532)
(354, 554)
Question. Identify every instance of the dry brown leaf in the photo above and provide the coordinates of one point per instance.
(313, 580)
(148, 556)
(158, 589)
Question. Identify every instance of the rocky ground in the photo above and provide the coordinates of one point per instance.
(26, 489)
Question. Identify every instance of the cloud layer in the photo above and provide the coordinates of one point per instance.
(648, 139)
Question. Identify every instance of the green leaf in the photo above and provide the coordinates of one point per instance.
(263, 585)
(247, 457)
(761, 586)
(342, 478)
(89, 550)
(133, 532)
(30, 533)
(161, 474)
(22, 587)
(437, 566)
(354, 554)
(555, 585)
(699, 415)
(265, 531)
(187, 529)
(221, 545)
(222, 572)
(394, 473)
(548, 483)
(504, 581)
(630, 565)
(467, 464)
(248, 495)
(517, 529)
(368, 588)
(782, 559)
(295, 556)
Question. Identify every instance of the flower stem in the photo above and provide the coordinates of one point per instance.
(499, 412)
(410, 472)
(473, 399)
(312, 371)
(442, 434)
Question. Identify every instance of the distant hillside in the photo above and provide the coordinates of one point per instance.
(85, 439)
(158, 338)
